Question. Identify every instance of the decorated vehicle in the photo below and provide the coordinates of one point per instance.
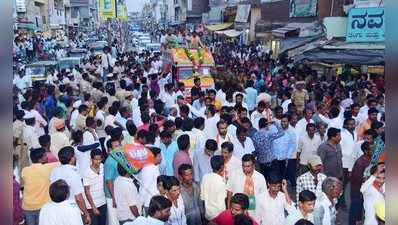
(77, 52)
(187, 64)
(69, 62)
(38, 70)
(97, 47)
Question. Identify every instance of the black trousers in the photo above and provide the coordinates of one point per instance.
(282, 165)
(291, 171)
(287, 170)
(98, 219)
(267, 168)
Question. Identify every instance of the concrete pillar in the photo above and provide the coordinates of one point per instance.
(255, 15)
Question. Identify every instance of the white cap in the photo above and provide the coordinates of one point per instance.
(77, 104)
(28, 115)
(110, 75)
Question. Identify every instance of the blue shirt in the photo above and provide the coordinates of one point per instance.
(110, 173)
(262, 141)
(201, 164)
(50, 106)
(284, 147)
(166, 166)
(251, 95)
(258, 84)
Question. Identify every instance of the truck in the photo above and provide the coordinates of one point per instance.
(38, 70)
(187, 64)
(69, 62)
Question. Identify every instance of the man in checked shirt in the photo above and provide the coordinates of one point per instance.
(312, 180)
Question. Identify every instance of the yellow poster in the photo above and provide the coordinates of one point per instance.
(125, 13)
(122, 12)
(107, 8)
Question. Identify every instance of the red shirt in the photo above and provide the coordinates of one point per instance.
(226, 218)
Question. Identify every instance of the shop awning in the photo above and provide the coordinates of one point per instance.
(220, 26)
(230, 33)
(294, 42)
(286, 32)
(343, 56)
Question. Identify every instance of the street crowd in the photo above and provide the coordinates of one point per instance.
(272, 143)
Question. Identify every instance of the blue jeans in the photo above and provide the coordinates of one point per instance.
(32, 217)
(356, 209)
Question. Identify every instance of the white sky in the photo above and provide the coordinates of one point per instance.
(135, 5)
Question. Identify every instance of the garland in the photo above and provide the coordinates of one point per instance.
(200, 55)
(189, 54)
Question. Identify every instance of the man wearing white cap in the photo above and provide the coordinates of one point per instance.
(30, 135)
(312, 180)
(74, 114)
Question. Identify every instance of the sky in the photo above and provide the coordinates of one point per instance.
(135, 5)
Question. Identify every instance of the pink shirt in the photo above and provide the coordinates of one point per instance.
(181, 157)
(51, 157)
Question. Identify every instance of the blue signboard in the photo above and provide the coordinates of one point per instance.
(366, 25)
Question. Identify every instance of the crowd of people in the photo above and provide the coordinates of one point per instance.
(272, 144)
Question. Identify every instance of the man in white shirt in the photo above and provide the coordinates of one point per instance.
(222, 135)
(68, 172)
(60, 210)
(59, 139)
(347, 143)
(40, 121)
(159, 212)
(93, 181)
(168, 97)
(304, 210)
(274, 202)
(198, 133)
(213, 190)
(258, 114)
(111, 118)
(334, 120)
(232, 164)
(30, 136)
(242, 144)
(325, 211)
(249, 182)
(286, 101)
(90, 135)
(75, 114)
(373, 190)
(126, 196)
(302, 124)
(147, 177)
(22, 81)
(211, 120)
(307, 146)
